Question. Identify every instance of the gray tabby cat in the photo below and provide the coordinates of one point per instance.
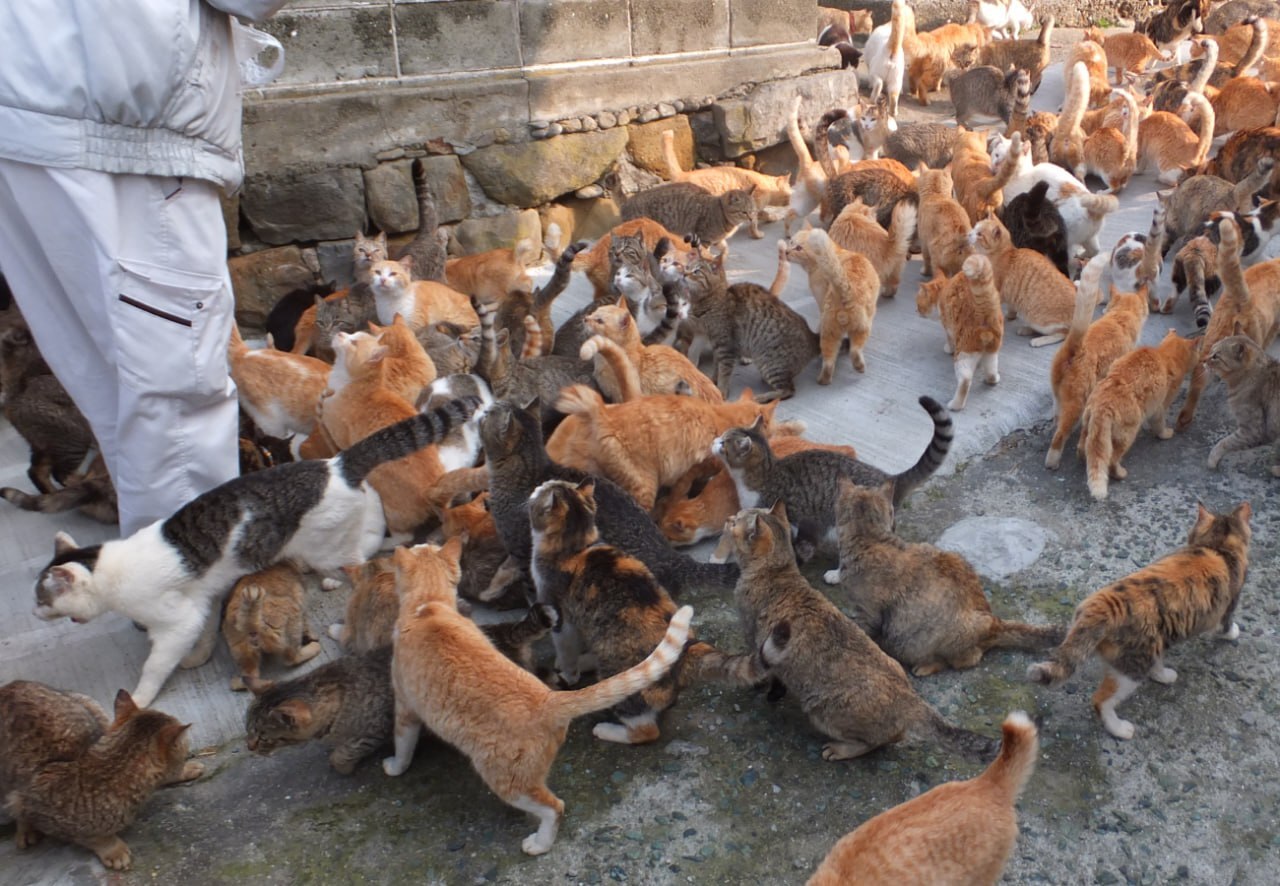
(688, 209)
(914, 143)
(319, 513)
(1253, 395)
(453, 349)
(426, 248)
(983, 95)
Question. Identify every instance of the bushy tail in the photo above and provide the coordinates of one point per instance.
(1017, 760)
(1086, 301)
(1193, 268)
(532, 338)
(1095, 440)
(1046, 31)
(607, 693)
(820, 144)
(704, 662)
(1016, 635)
(236, 345)
(959, 740)
(796, 137)
(1233, 285)
(1087, 630)
(580, 400)
(902, 227)
(932, 457)
(669, 158)
(1098, 204)
(248, 613)
(624, 371)
(404, 438)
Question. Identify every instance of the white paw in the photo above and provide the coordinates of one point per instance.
(533, 846)
(832, 576)
(1164, 675)
(1121, 729)
(1232, 633)
(329, 584)
(956, 405)
(611, 732)
(335, 630)
(393, 768)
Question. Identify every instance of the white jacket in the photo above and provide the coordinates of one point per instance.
(124, 86)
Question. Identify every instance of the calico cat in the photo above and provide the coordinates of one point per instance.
(1253, 395)
(1242, 151)
(1174, 22)
(1029, 284)
(1196, 198)
(494, 274)
(425, 252)
(845, 285)
(943, 228)
(922, 605)
(804, 481)
(880, 184)
(345, 704)
(982, 95)
(960, 831)
(1031, 55)
(914, 143)
(1132, 622)
(421, 302)
(68, 772)
(977, 177)
(318, 513)
(277, 389)
(1034, 223)
(855, 229)
(660, 367)
(448, 677)
(265, 615)
(849, 689)
(687, 208)
(969, 305)
(766, 190)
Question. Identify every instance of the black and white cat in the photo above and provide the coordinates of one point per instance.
(170, 577)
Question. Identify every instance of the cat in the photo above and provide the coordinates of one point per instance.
(277, 389)
(1027, 54)
(611, 605)
(425, 253)
(1176, 20)
(90, 491)
(880, 184)
(1245, 103)
(660, 367)
(1108, 152)
(1034, 223)
(420, 302)
(746, 320)
(1167, 144)
(1132, 622)
(345, 311)
(835, 32)
(371, 609)
(407, 368)
(648, 443)
(922, 605)
(943, 227)
(283, 318)
(687, 208)
(1197, 197)
(845, 285)
(969, 305)
(318, 513)
(1195, 269)
(447, 676)
(911, 144)
(978, 178)
(933, 54)
(982, 95)
(1127, 53)
(1139, 388)
(346, 704)
(1253, 395)
(639, 273)
(599, 263)
(766, 190)
(265, 615)
(1094, 58)
(873, 127)
(69, 772)
(805, 480)
(1030, 286)
(1006, 20)
(460, 448)
(1242, 151)
(883, 52)
(957, 832)
(849, 689)
(453, 349)
(855, 229)
(494, 274)
(811, 178)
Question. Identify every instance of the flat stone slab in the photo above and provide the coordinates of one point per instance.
(996, 546)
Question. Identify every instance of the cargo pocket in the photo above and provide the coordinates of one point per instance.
(166, 324)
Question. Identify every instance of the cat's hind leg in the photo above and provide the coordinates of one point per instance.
(549, 809)
(844, 750)
(26, 836)
(167, 649)
(990, 366)
(345, 756)
(965, 364)
(638, 729)
(1115, 688)
(111, 851)
(1069, 412)
(208, 637)
(1160, 673)
(829, 342)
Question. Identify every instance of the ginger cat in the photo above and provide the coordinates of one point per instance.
(648, 443)
(933, 53)
(422, 303)
(407, 368)
(969, 305)
(845, 285)
(766, 190)
(1111, 153)
(978, 189)
(944, 224)
(1140, 388)
(855, 229)
(278, 390)
(811, 178)
(1094, 58)
(958, 832)
(1127, 53)
(1245, 103)
(494, 274)
(266, 616)
(371, 609)
(1029, 284)
(1132, 622)
(661, 367)
(448, 677)
(596, 262)
(1167, 144)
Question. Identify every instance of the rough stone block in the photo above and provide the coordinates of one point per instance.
(461, 35)
(260, 279)
(662, 26)
(581, 219)
(644, 143)
(533, 173)
(761, 22)
(448, 188)
(759, 118)
(290, 206)
(336, 44)
(573, 30)
(337, 263)
(706, 136)
(497, 232)
(389, 194)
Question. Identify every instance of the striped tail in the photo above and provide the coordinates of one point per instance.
(607, 693)
(1087, 631)
(933, 456)
(704, 662)
(1017, 635)
(1017, 760)
(56, 502)
(543, 297)
(404, 438)
(962, 741)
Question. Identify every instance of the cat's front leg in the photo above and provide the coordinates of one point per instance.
(408, 727)
(111, 851)
(26, 836)
(345, 756)
(1231, 443)
(167, 648)
(568, 645)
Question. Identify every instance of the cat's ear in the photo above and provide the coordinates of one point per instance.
(405, 261)
(779, 510)
(382, 242)
(1204, 519)
(766, 416)
(170, 736)
(1238, 329)
(294, 713)
(377, 355)
(1243, 512)
(124, 709)
(622, 303)
(886, 489)
(587, 488)
(375, 329)
(63, 543)
(319, 302)
(534, 407)
(257, 685)
(452, 551)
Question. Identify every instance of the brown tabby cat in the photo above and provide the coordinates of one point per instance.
(1253, 395)
(969, 305)
(855, 229)
(958, 832)
(1029, 284)
(448, 677)
(69, 772)
(689, 209)
(1239, 156)
(1132, 622)
(265, 616)
(766, 190)
(944, 224)
(426, 251)
(600, 263)
(922, 605)
(880, 184)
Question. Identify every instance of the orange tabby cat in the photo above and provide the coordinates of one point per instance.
(407, 368)
(1112, 153)
(1030, 286)
(448, 677)
(969, 306)
(648, 443)
(978, 190)
(856, 230)
(944, 224)
(1094, 58)
(1245, 103)
(766, 190)
(1128, 52)
(422, 303)
(265, 616)
(960, 832)
(594, 262)
(661, 367)
(931, 54)
(845, 285)
(278, 390)
(1140, 387)
(370, 613)
(1167, 144)
(492, 275)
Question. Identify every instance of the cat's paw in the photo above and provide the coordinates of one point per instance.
(1121, 729)
(115, 856)
(1232, 633)
(612, 732)
(1163, 675)
(533, 845)
(27, 836)
(238, 684)
(1165, 433)
(335, 630)
(306, 653)
(196, 657)
(832, 576)
(393, 767)
(329, 584)
(191, 770)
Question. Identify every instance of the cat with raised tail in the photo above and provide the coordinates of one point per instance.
(321, 514)
(884, 55)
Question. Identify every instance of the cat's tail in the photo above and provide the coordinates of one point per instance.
(428, 218)
(55, 502)
(1088, 629)
(705, 663)
(1095, 441)
(669, 158)
(1020, 744)
(962, 741)
(902, 228)
(796, 137)
(565, 706)
(932, 457)
(624, 371)
(1086, 301)
(1097, 205)
(532, 338)
(820, 142)
(236, 345)
(1229, 272)
(249, 612)
(580, 400)
(1004, 174)
(1017, 635)
(403, 438)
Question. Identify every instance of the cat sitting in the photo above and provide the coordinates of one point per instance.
(1132, 622)
(265, 616)
(1252, 377)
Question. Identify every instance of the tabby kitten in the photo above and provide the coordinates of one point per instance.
(345, 704)
(1253, 395)
(265, 615)
(691, 210)
(1132, 622)
(880, 184)
(67, 772)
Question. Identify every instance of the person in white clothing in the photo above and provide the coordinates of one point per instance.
(119, 128)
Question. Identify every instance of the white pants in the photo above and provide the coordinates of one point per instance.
(123, 281)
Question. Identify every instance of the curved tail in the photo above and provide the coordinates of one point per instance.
(1020, 743)
(55, 502)
(1086, 301)
(960, 740)
(533, 344)
(1017, 635)
(580, 400)
(544, 296)
(1005, 173)
(1097, 204)
(403, 438)
(565, 706)
(669, 158)
(902, 227)
(624, 371)
(1087, 630)
(820, 144)
(704, 662)
(932, 457)
(796, 137)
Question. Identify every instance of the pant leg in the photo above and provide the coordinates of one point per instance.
(136, 265)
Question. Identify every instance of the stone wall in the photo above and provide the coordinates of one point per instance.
(517, 107)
